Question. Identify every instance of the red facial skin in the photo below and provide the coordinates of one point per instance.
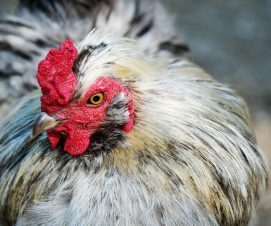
(79, 119)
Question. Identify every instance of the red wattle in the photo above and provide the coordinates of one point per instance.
(77, 142)
(54, 138)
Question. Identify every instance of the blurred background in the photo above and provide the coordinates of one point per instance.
(232, 41)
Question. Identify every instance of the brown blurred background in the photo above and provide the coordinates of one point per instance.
(232, 41)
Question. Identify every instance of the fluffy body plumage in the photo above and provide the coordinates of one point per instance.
(191, 158)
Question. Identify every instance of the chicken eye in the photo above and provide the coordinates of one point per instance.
(96, 99)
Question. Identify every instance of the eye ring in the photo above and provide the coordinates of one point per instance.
(96, 99)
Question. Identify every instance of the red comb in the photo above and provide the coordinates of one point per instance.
(56, 78)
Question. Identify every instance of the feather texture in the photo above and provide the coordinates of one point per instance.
(191, 159)
(40, 25)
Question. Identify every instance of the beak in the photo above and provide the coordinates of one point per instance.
(43, 123)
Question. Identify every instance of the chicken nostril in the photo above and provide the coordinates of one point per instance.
(63, 134)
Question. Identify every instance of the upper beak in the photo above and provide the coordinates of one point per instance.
(43, 123)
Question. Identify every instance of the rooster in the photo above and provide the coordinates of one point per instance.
(123, 133)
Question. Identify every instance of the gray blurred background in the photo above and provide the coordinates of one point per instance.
(232, 41)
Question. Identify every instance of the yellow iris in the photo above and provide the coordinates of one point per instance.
(96, 99)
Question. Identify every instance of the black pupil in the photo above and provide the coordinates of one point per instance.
(96, 99)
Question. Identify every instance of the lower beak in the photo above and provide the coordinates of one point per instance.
(43, 123)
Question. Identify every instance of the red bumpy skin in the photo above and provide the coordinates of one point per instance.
(56, 78)
(79, 121)
(57, 81)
